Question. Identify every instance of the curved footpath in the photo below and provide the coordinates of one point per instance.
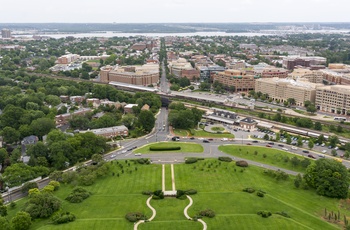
(154, 212)
(189, 218)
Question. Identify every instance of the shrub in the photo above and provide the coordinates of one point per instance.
(135, 216)
(27, 186)
(249, 190)
(226, 159)
(191, 160)
(191, 192)
(283, 213)
(264, 214)
(208, 213)
(48, 188)
(164, 148)
(260, 193)
(159, 194)
(180, 193)
(148, 193)
(143, 161)
(242, 163)
(55, 184)
(63, 217)
(78, 195)
(42, 205)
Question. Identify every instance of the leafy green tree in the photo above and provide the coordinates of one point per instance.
(328, 177)
(4, 223)
(298, 180)
(3, 156)
(310, 144)
(42, 126)
(289, 140)
(318, 126)
(22, 221)
(129, 120)
(42, 205)
(146, 120)
(10, 135)
(333, 140)
(300, 142)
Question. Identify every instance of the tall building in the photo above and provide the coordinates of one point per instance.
(314, 76)
(240, 79)
(291, 61)
(6, 33)
(282, 89)
(333, 98)
(270, 72)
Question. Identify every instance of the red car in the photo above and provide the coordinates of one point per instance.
(268, 146)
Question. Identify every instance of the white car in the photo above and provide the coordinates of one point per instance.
(112, 156)
(324, 151)
(285, 149)
(137, 154)
(224, 139)
(294, 148)
(124, 151)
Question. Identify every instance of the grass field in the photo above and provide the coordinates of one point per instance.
(185, 147)
(201, 133)
(216, 129)
(219, 188)
(273, 157)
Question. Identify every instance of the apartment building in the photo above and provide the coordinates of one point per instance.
(291, 61)
(242, 80)
(136, 75)
(333, 98)
(313, 76)
(68, 58)
(6, 33)
(63, 119)
(282, 89)
(271, 72)
(182, 68)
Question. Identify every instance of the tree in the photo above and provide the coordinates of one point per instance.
(146, 120)
(4, 223)
(333, 141)
(320, 139)
(311, 108)
(318, 126)
(310, 144)
(328, 177)
(21, 221)
(42, 126)
(300, 142)
(10, 135)
(3, 156)
(298, 180)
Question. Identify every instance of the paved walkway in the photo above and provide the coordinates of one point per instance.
(163, 177)
(154, 212)
(189, 218)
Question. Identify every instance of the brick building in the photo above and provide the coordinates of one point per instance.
(242, 81)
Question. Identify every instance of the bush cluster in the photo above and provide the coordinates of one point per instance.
(249, 190)
(78, 195)
(278, 175)
(63, 217)
(158, 194)
(226, 159)
(181, 194)
(27, 186)
(147, 192)
(191, 160)
(42, 205)
(164, 148)
(135, 216)
(264, 214)
(208, 213)
(143, 161)
(283, 213)
(242, 163)
(260, 193)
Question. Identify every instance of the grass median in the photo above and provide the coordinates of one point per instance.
(184, 147)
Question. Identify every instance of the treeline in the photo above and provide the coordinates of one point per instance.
(183, 118)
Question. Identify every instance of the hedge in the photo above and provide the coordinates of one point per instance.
(242, 163)
(164, 148)
(135, 216)
(227, 159)
(191, 160)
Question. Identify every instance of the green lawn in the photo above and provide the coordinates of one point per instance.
(219, 186)
(202, 133)
(185, 147)
(216, 129)
(273, 157)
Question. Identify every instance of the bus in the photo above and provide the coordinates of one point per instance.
(340, 118)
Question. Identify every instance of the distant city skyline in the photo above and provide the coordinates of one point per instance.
(174, 11)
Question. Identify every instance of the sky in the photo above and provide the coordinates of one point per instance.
(158, 11)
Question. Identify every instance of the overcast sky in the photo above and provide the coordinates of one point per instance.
(138, 11)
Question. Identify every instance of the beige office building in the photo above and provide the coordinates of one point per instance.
(136, 75)
(314, 76)
(242, 81)
(282, 89)
(332, 98)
